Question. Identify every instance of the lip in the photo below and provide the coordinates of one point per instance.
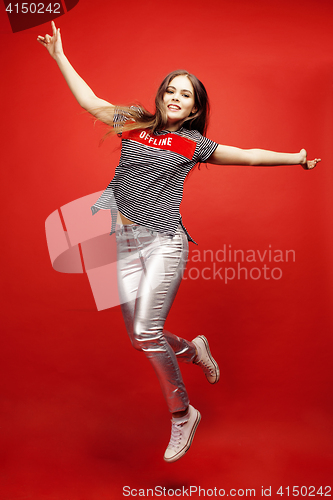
(173, 106)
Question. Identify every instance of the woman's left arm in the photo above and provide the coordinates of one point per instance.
(229, 155)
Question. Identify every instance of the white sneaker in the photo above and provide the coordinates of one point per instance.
(205, 360)
(182, 433)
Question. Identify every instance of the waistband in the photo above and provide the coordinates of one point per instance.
(129, 228)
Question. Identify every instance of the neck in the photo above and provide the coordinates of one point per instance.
(174, 126)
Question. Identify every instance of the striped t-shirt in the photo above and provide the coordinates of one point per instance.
(147, 186)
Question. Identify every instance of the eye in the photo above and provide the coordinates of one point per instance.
(168, 91)
(186, 95)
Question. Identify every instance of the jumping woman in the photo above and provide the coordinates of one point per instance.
(158, 151)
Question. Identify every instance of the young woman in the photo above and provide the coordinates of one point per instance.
(158, 151)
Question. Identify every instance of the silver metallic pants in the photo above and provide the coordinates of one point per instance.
(150, 269)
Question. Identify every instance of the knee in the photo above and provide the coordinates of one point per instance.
(139, 338)
(144, 338)
(135, 341)
(136, 344)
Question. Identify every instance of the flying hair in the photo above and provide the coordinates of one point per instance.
(137, 117)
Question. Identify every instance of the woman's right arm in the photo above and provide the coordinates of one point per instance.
(81, 91)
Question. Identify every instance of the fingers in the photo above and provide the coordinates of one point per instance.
(55, 31)
(315, 161)
(48, 38)
(42, 40)
(57, 35)
(311, 164)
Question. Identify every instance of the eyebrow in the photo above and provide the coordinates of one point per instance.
(183, 90)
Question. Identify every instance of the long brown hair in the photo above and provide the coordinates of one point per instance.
(139, 118)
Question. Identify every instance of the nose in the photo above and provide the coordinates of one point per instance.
(175, 98)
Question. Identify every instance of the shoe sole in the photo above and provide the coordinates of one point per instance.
(182, 452)
(216, 366)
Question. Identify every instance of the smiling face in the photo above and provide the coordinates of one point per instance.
(179, 100)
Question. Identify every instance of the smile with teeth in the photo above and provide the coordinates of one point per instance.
(174, 106)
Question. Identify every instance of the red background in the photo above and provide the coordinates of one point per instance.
(82, 414)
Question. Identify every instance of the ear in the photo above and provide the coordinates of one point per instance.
(194, 110)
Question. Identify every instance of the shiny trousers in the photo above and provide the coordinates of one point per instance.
(150, 267)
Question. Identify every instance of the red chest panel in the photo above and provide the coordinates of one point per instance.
(168, 142)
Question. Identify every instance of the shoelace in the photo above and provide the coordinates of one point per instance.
(176, 434)
(208, 368)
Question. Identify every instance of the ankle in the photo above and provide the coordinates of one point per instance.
(180, 414)
(197, 353)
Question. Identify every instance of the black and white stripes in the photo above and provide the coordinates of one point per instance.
(147, 187)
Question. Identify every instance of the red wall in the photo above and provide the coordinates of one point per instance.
(82, 414)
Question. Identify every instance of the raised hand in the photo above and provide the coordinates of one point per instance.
(308, 164)
(52, 43)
